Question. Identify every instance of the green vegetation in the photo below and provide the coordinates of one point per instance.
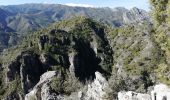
(129, 45)
(20, 20)
(55, 44)
(65, 83)
(126, 55)
(161, 17)
(162, 73)
(159, 11)
(12, 88)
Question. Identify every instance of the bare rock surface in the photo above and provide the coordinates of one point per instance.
(96, 90)
(159, 92)
(133, 96)
(42, 91)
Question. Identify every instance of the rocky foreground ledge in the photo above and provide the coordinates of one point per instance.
(42, 91)
(94, 91)
(159, 92)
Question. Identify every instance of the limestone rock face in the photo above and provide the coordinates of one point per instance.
(42, 40)
(28, 67)
(133, 96)
(161, 92)
(31, 95)
(11, 71)
(94, 44)
(47, 77)
(83, 61)
(47, 94)
(42, 91)
(44, 59)
(30, 70)
(135, 15)
(73, 59)
(96, 90)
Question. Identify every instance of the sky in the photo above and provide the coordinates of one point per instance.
(143, 4)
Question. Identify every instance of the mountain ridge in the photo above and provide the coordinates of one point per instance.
(22, 19)
(30, 10)
(56, 52)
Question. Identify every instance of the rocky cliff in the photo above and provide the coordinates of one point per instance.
(81, 59)
(75, 53)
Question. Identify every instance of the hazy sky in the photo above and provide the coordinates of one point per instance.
(92, 3)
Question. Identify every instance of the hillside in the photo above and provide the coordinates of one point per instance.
(72, 53)
(66, 48)
(59, 52)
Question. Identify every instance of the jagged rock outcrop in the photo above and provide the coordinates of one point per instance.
(77, 54)
(24, 71)
(84, 58)
(94, 44)
(73, 59)
(42, 90)
(30, 70)
(96, 90)
(63, 51)
(47, 77)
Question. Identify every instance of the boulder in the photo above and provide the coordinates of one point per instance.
(96, 90)
(161, 92)
(133, 96)
(46, 77)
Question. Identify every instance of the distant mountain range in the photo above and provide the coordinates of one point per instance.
(21, 19)
(28, 17)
